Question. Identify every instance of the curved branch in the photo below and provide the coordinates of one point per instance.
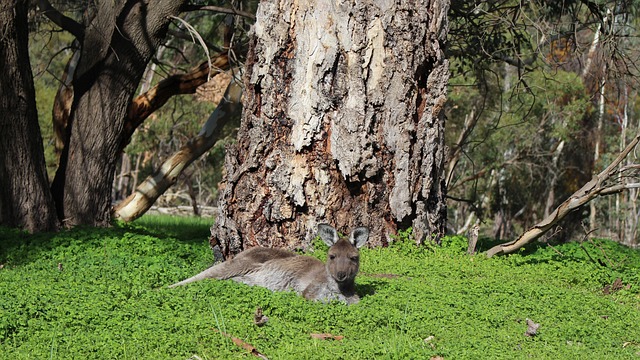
(144, 105)
(136, 204)
(219, 9)
(64, 22)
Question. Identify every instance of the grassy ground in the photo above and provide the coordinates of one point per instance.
(101, 293)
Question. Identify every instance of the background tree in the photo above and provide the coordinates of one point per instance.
(95, 111)
(528, 124)
(115, 49)
(25, 199)
(342, 123)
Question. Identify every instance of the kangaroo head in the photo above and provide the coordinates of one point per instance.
(343, 260)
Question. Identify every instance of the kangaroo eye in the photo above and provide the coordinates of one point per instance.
(354, 258)
(332, 257)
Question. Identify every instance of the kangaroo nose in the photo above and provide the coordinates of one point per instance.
(342, 275)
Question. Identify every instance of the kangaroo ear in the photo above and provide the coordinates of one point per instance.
(359, 236)
(328, 234)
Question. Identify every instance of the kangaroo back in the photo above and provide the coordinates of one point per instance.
(246, 262)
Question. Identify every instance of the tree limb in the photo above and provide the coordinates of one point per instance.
(64, 22)
(155, 185)
(588, 192)
(144, 105)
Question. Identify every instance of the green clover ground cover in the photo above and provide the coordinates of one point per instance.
(101, 293)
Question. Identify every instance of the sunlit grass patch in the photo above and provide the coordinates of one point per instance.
(101, 293)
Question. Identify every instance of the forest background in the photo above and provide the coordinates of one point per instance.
(542, 96)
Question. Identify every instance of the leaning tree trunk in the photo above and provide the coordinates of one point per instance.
(25, 200)
(116, 47)
(342, 123)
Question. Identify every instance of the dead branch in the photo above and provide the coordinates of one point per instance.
(326, 336)
(155, 185)
(594, 188)
(243, 344)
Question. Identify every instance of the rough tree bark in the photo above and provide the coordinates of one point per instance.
(25, 200)
(342, 123)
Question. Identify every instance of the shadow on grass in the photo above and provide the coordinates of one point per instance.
(558, 251)
(19, 247)
(369, 288)
(188, 229)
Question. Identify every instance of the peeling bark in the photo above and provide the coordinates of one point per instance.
(342, 123)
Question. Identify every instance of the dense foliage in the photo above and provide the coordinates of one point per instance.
(101, 293)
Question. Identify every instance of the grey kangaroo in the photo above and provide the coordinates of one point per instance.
(280, 270)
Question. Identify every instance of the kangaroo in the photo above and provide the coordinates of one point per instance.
(280, 270)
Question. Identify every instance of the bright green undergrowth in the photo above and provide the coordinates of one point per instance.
(101, 293)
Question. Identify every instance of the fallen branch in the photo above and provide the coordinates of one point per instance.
(326, 336)
(594, 188)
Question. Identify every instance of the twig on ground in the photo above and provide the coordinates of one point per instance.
(241, 343)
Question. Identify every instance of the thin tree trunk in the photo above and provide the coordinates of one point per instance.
(470, 122)
(136, 171)
(192, 192)
(553, 179)
(596, 152)
(25, 199)
(343, 123)
(63, 102)
(121, 187)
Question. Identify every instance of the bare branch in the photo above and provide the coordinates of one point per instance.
(588, 192)
(144, 105)
(184, 36)
(615, 189)
(219, 9)
(64, 22)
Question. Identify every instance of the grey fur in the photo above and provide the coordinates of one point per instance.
(280, 270)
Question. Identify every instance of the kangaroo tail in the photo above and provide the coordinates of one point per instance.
(212, 272)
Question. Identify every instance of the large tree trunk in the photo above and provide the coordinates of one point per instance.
(342, 123)
(25, 200)
(116, 47)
